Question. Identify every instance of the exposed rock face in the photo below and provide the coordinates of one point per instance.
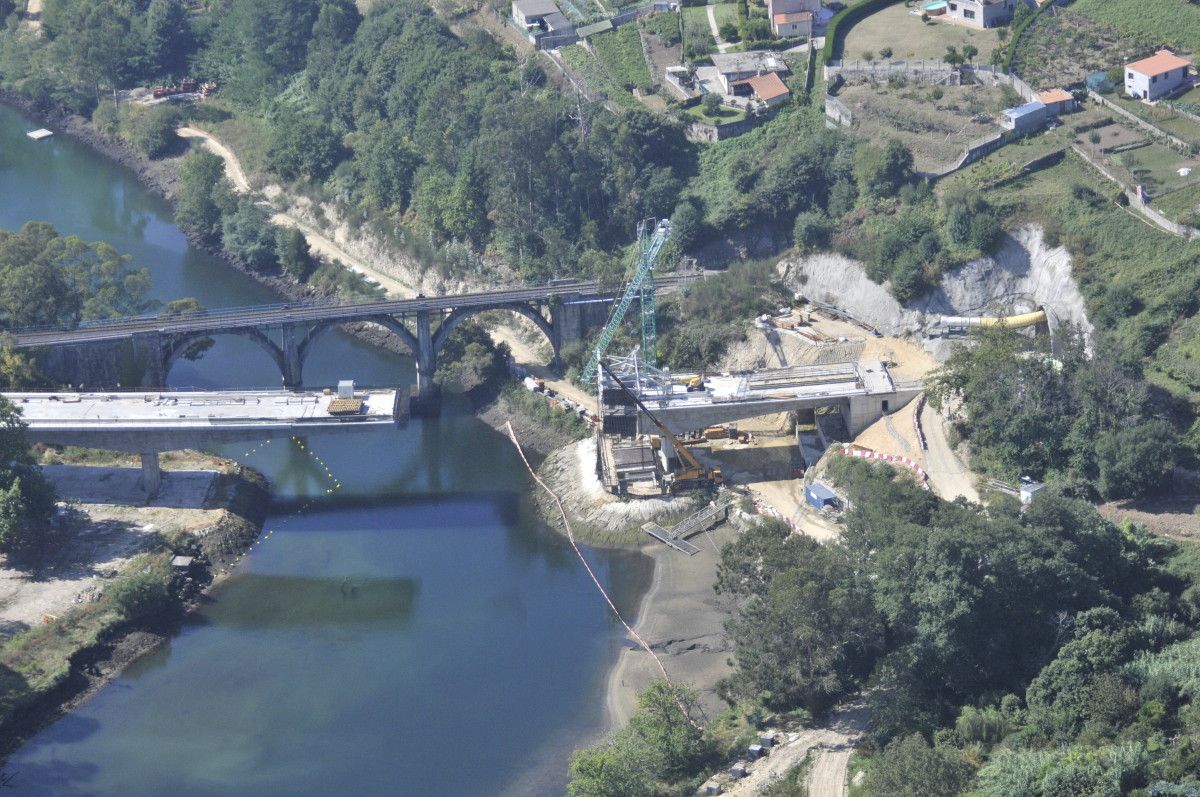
(1023, 274)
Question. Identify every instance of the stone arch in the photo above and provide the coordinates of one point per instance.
(457, 316)
(177, 344)
(388, 322)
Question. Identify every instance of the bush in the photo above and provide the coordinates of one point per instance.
(812, 230)
(146, 593)
(151, 130)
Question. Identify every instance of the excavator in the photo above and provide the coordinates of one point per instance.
(693, 476)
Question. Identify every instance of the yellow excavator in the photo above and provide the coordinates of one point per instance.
(693, 475)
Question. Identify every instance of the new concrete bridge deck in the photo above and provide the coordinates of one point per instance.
(148, 423)
(865, 391)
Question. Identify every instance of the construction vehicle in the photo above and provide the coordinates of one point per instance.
(693, 383)
(693, 475)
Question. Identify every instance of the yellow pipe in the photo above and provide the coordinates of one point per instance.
(1015, 321)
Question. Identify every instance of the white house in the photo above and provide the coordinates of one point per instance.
(1157, 76)
(981, 13)
(792, 24)
(734, 67)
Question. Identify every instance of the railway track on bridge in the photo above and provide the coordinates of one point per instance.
(301, 312)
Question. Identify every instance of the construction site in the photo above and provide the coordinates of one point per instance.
(811, 380)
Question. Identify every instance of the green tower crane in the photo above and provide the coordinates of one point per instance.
(640, 285)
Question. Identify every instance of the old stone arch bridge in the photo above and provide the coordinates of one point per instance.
(139, 352)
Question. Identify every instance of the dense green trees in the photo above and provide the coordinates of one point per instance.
(26, 499)
(46, 278)
(1073, 418)
(806, 627)
(202, 188)
(661, 744)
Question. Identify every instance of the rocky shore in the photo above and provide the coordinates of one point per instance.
(97, 644)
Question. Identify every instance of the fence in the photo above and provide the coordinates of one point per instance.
(1137, 203)
(1140, 122)
(929, 72)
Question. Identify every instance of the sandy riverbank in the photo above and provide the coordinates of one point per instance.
(682, 619)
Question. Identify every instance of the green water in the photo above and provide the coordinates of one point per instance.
(417, 632)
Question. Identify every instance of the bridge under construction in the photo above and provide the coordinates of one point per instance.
(148, 423)
(685, 404)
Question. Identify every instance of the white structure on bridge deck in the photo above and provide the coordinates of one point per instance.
(152, 422)
(865, 391)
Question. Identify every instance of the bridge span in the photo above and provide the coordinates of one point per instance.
(148, 423)
(564, 311)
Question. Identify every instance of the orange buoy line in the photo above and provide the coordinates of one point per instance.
(571, 536)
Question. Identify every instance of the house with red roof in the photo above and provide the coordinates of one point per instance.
(1160, 75)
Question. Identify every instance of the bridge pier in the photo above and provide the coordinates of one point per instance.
(151, 474)
(426, 400)
(293, 364)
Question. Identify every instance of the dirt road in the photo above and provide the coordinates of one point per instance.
(830, 746)
(328, 247)
(948, 476)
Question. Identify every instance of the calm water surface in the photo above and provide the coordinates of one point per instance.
(417, 632)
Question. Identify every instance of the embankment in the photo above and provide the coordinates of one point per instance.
(1023, 271)
(50, 668)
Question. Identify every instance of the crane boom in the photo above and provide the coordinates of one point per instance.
(642, 284)
(688, 458)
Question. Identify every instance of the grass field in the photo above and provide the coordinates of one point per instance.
(595, 74)
(1162, 117)
(1157, 167)
(937, 131)
(725, 12)
(727, 115)
(896, 27)
(1171, 22)
(621, 52)
(1180, 205)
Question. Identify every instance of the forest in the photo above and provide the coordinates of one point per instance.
(1000, 652)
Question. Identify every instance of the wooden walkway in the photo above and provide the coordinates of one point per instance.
(676, 536)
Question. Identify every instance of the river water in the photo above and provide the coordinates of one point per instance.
(417, 631)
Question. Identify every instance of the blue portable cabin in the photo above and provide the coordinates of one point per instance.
(819, 496)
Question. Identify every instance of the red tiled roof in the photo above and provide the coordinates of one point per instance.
(768, 87)
(1051, 96)
(1157, 64)
(795, 16)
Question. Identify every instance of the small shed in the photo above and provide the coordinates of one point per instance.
(819, 496)
(712, 787)
(1057, 101)
(182, 562)
(739, 770)
(1024, 118)
(345, 389)
(756, 751)
(527, 13)
(1029, 490)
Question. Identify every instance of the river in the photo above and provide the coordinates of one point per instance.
(417, 631)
